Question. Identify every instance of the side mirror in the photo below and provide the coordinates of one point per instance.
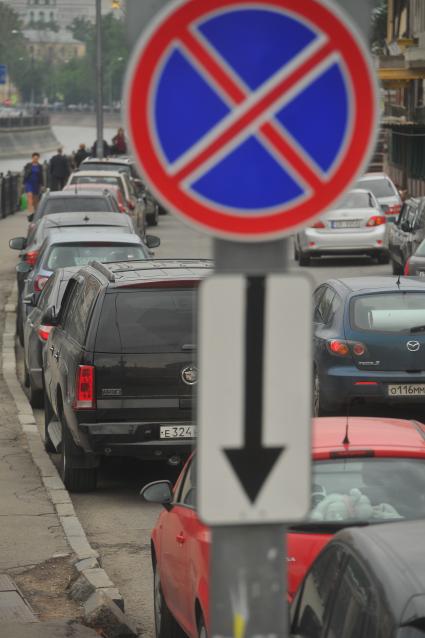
(31, 217)
(49, 317)
(158, 492)
(23, 267)
(152, 241)
(17, 243)
(30, 300)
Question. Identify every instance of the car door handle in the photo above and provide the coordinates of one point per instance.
(181, 539)
(56, 356)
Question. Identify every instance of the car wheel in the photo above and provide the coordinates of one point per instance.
(304, 259)
(76, 479)
(383, 258)
(165, 624)
(397, 269)
(48, 416)
(35, 396)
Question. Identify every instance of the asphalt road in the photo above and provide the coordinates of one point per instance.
(115, 519)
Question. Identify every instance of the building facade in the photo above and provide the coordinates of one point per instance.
(62, 12)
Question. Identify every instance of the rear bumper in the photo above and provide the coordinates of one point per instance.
(134, 438)
(341, 385)
(362, 241)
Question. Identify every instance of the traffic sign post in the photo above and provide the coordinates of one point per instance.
(248, 120)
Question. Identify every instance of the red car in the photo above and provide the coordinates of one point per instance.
(365, 470)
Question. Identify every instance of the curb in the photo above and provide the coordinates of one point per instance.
(93, 588)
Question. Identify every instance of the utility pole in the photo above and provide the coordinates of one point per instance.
(99, 81)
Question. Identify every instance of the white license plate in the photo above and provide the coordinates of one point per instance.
(347, 224)
(177, 431)
(406, 390)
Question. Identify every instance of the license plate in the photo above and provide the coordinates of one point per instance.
(346, 224)
(177, 432)
(406, 390)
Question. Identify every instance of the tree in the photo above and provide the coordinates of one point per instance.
(12, 41)
(379, 26)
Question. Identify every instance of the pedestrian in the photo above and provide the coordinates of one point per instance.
(58, 170)
(119, 144)
(81, 155)
(33, 181)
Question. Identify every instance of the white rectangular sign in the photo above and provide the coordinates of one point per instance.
(254, 411)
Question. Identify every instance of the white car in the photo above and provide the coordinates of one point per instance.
(357, 227)
(385, 192)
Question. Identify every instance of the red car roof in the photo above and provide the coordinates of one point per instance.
(383, 437)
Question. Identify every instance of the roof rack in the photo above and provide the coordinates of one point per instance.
(97, 265)
(148, 264)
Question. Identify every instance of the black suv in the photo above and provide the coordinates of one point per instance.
(119, 368)
(407, 233)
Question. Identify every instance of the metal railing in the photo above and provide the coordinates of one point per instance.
(10, 193)
(24, 121)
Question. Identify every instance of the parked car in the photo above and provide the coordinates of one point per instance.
(407, 233)
(385, 192)
(367, 583)
(369, 342)
(415, 265)
(115, 178)
(357, 226)
(362, 475)
(29, 246)
(119, 366)
(72, 202)
(36, 333)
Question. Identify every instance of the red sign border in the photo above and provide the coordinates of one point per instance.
(142, 71)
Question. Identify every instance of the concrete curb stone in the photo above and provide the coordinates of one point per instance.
(104, 605)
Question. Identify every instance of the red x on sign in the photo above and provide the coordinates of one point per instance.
(250, 118)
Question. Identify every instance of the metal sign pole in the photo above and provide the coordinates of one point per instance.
(99, 81)
(248, 563)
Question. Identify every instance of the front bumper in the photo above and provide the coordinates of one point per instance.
(343, 384)
(134, 438)
(365, 240)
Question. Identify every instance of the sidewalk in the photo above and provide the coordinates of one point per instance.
(50, 578)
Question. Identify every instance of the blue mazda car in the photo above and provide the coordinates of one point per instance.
(369, 342)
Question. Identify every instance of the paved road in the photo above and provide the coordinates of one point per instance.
(117, 523)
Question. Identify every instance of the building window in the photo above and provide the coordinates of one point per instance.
(52, 16)
(31, 16)
(41, 16)
(46, 2)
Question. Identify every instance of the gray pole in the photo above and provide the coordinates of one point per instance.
(99, 81)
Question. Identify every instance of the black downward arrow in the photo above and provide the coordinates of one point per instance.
(253, 463)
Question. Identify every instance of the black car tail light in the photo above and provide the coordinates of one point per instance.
(85, 398)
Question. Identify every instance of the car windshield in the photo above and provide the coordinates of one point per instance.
(357, 200)
(77, 204)
(368, 489)
(379, 187)
(79, 254)
(388, 312)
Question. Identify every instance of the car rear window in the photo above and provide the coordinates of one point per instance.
(379, 187)
(368, 489)
(146, 321)
(78, 254)
(77, 204)
(84, 179)
(400, 312)
(103, 166)
(357, 200)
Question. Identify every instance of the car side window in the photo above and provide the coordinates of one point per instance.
(79, 311)
(317, 317)
(325, 305)
(187, 494)
(355, 610)
(403, 214)
(315, 601)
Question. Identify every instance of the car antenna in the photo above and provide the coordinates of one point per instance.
(346, 440)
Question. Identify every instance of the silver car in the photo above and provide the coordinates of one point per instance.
(357, 227)
(385, 192)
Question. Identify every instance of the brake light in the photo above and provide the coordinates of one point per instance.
(338, 347)
(84, 389)
(318, 224)
(376, 220)
(44, 332)
(31, 257)
(39, 283)
(393, 210)
(406, 267)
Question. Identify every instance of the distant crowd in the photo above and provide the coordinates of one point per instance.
(60, 167)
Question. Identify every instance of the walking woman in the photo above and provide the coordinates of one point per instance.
(33, 181)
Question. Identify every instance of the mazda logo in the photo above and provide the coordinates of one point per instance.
(190, 375)
(413, 346)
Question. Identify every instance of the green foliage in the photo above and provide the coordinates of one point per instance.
(379, 26)
(12, 43)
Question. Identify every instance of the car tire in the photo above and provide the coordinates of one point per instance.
(48, 416)
(304, 259)
(152, 219)
(397, 269)
(383, 258)
(165, 624)
(322, 407)
(76, 479)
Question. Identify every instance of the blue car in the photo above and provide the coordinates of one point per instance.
(369, 342)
